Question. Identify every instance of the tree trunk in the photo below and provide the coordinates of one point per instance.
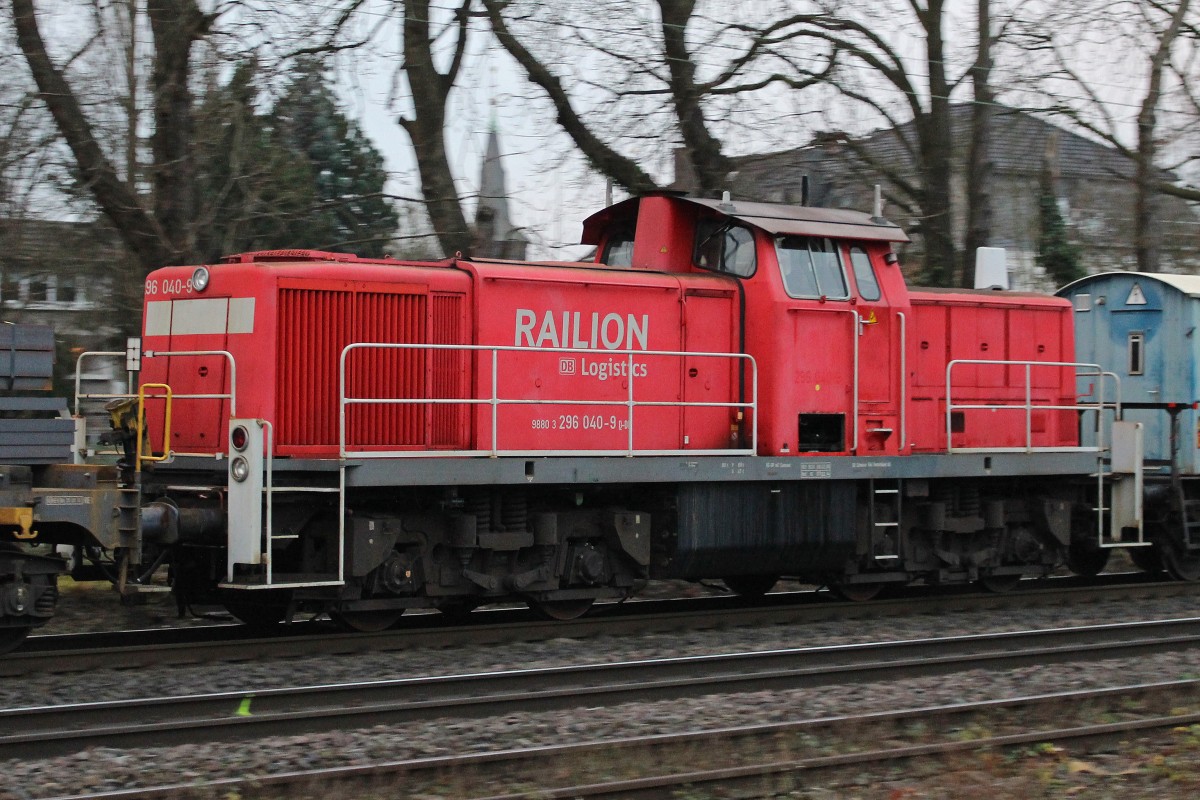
(1147, 232)
(176, 25)
(137, 228)
(979, 168)
(430, 90)
(934, 149)
(712, 167)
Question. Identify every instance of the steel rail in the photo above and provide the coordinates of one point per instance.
(666, 787)
(716, 740)
(63, 653)
(230, 716)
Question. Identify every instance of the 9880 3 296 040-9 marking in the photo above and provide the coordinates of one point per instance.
(587, 422)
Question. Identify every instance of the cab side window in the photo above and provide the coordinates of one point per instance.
(724, 247)
(864, 274)
(811, 267)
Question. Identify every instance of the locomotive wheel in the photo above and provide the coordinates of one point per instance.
(856, 592)
(751, 585)
(11, 638)
(366, 621)
(999, 584)
(1087, 561)
(1179, 563)
(562, 610)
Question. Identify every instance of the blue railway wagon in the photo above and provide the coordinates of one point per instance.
(1145, 327)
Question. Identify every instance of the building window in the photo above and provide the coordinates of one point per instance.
(66, 290)
(38, 290)
(1137, 353)
(10, 288)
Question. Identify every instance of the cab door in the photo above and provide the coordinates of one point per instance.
(198, 418)
(878, 357)
(708, 328)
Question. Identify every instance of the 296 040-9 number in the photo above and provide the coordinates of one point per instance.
(168, 285)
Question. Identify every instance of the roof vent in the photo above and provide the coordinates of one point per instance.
(990, 270)
(260, 256)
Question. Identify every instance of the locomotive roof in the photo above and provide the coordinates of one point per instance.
(1187, 284)
(774, 218)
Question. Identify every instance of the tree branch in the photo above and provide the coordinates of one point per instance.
(605, 159)
(140, 232)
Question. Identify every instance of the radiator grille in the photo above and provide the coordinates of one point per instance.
(384, 317)
(449, 375)
(316, 324)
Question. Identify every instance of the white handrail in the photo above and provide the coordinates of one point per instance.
(1082, 370)
(130, 394)
(231, 395)
(903, 381)
(495, 401)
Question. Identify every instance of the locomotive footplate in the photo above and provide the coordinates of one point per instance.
(586, 470)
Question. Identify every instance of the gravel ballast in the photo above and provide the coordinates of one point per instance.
(111, 769)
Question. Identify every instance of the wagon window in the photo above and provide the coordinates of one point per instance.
(1137, 353)
(724, 247)
(811, 267)
(864, 275)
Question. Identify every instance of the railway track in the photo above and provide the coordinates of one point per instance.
(64, 653)
(745, 761)
(56, 730)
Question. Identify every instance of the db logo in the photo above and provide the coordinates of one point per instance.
(566, 366)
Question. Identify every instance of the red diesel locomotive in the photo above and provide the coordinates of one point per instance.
(735, 391)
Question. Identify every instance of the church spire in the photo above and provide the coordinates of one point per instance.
(494, 233)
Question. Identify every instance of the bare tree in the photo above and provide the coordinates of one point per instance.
(673, 86)
(426, 126)
(979, 163)
(157, 231)
(675, 81)
(427, 36)
(1085, 43)
(603, 156)
(916, 93)
(1148, 234)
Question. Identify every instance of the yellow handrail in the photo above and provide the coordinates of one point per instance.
(141, 423)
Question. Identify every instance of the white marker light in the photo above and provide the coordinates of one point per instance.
(239, 468)
(200, 279)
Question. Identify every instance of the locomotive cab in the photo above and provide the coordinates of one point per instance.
(822, 292)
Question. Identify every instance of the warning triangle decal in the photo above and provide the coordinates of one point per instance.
(1136, 298)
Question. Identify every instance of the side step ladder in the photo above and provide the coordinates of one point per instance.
(1189, 510)
(884, 518)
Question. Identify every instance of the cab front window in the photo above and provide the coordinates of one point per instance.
(811, 267)
(618, 249)
(864, 276)
(724, 247)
